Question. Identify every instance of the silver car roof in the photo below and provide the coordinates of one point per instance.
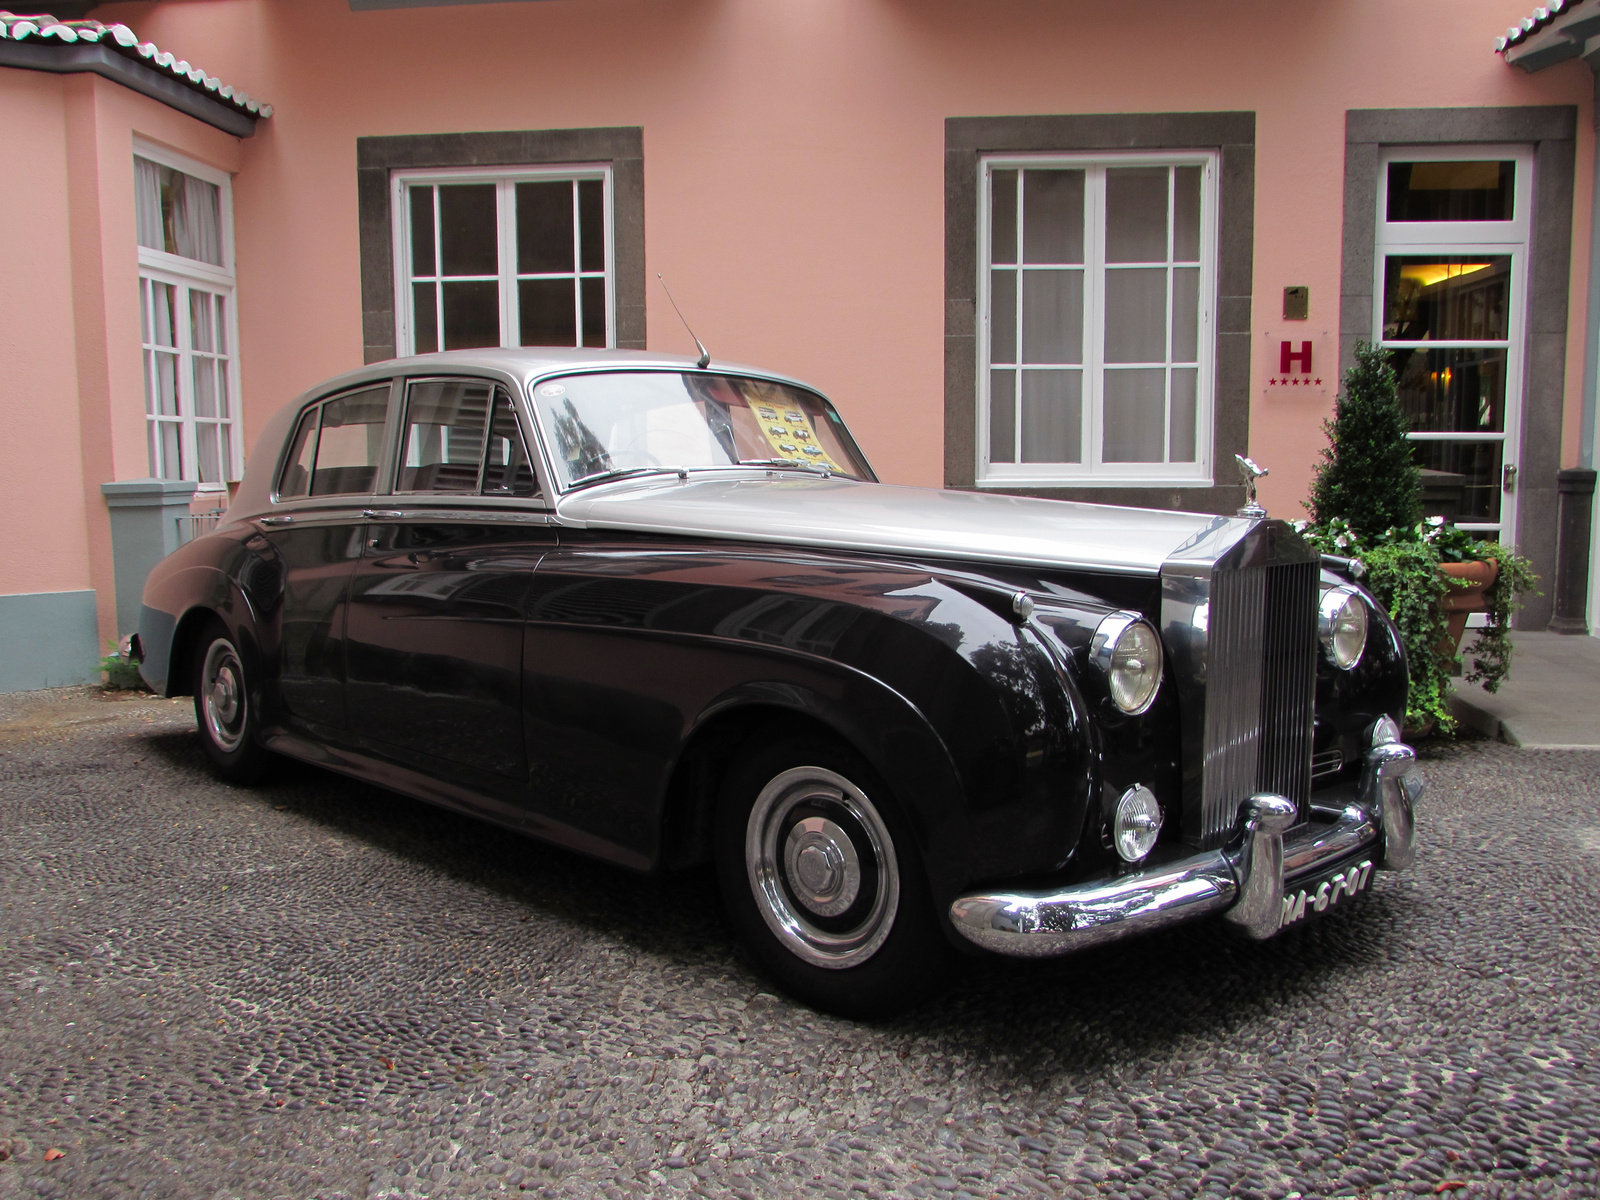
(531, 362)
(522, 365)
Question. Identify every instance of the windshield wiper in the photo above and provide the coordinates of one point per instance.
(797, 463)
(620, 472)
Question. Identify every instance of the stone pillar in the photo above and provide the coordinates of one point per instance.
(1576, 486)
(144, 530)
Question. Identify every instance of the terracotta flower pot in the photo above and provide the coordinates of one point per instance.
(1468, 582)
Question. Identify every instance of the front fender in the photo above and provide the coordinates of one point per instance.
(890, 733)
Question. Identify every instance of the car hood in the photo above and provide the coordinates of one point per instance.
(884, 518)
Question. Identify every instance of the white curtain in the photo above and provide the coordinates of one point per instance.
(147, 204)
(170, 204)
(196, 218)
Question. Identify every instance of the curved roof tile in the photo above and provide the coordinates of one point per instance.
(45, 29)
(1531, 24)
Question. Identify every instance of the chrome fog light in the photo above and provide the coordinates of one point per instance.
(1342, 626)
(1137, 823)
(1129, 652)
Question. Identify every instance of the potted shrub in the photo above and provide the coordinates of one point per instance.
(1430, 576)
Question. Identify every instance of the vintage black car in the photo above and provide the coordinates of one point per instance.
(661, 612)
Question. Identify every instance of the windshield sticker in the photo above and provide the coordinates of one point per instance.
(552, 390)
(791, 435)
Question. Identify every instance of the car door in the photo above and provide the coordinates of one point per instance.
(315, 532)
(435, 624)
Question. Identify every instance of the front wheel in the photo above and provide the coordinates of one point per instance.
(223, 709)
(822, 881)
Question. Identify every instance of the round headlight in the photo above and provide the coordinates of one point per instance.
(1342, 626)
(1129, 652)
(1138, 821)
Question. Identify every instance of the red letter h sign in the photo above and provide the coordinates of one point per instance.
(1286, 355)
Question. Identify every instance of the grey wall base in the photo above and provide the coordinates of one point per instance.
(1576, 486)
(48, 639)
(144, 530)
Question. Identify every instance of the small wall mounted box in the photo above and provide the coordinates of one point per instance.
(1296, 303)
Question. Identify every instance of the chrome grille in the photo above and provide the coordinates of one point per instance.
(1260, 687)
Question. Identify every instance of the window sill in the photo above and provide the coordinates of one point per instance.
(1093, 481)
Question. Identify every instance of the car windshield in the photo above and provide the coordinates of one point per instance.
(624, 422)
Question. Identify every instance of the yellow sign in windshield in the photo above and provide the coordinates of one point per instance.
(790, 432)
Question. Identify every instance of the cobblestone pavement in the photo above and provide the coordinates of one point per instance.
(317, 989)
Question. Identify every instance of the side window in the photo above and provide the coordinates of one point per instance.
(350, 443)
(296, 479)
(442, 446)
(507, 470)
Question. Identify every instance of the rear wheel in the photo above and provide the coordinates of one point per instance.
(823, 882)
(223, 708)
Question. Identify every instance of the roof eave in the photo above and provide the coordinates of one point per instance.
(97, 59)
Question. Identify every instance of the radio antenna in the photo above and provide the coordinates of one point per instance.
(705, 355)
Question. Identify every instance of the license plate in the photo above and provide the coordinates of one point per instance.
(1319, 895)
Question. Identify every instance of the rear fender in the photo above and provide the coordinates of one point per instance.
(176, 608)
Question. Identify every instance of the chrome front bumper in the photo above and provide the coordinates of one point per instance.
(1244, 880)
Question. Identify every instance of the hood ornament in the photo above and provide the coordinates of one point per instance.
(1251, 472)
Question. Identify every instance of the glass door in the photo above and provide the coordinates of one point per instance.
(1451, 260)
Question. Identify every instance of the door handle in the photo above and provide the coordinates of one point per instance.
(284, 520)
(382, 514)
(1508, 478)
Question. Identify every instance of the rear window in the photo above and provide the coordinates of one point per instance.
(337, 446)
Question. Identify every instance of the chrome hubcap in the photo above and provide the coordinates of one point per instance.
(222, 690)
(822, 867)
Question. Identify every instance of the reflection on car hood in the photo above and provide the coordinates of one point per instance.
(883, 518)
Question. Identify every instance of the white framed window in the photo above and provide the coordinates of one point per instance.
(188, 325)
(503, 257)
(1450, 274)
(1096, 318)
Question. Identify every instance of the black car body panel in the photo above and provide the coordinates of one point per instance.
(583, 683)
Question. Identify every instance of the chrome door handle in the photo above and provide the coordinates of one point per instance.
(382, 514)
(285, 520)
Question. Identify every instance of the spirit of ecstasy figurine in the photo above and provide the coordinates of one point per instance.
(1251, 473)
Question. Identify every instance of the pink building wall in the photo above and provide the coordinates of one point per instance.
(794, 158)
(794, 189)
(44, 521)
(72, 392)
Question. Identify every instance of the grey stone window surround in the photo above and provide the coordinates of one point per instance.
(376, 157)
(1233, 135)
(1552, 131)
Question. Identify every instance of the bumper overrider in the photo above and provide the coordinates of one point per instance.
(1252, 881)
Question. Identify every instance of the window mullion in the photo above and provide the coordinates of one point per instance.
(1172, 254)
(610, 257)
(1094, 315)
(510, 299)
(187, 439)
(577, 262)
(1016, 352)
(438, 272)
